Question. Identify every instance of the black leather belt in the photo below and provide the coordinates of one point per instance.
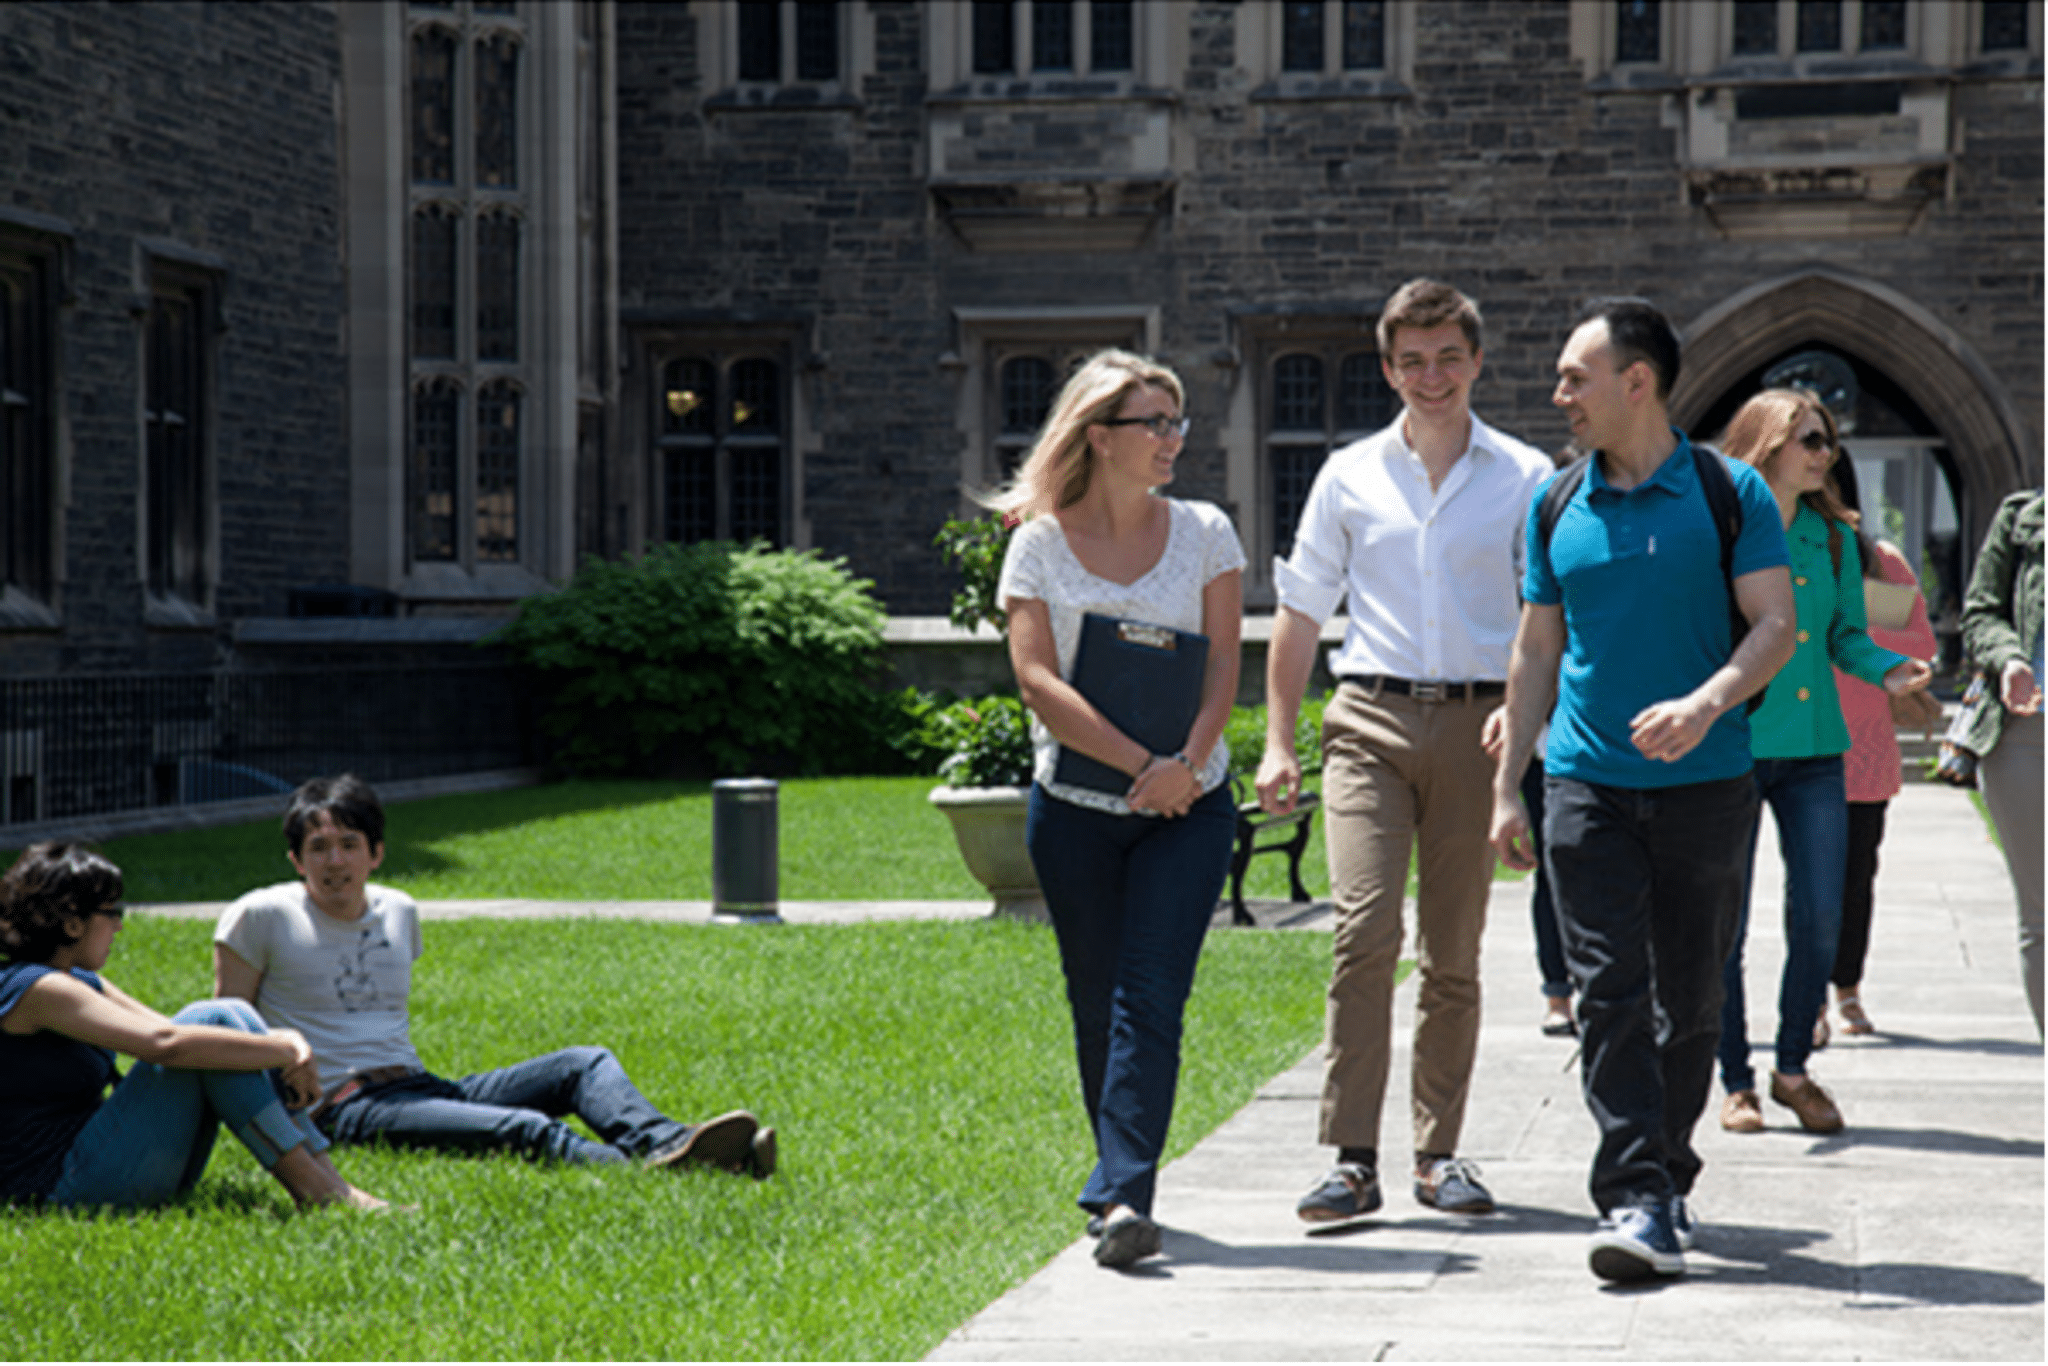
(1427, 690)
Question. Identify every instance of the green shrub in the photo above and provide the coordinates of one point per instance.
(1245, 734)
(986, 742)
(977, 545)
(715, 658)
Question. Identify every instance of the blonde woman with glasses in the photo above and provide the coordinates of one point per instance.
(1798, 738)
(1130, 877)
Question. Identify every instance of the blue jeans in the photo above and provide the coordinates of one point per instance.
(150, 1141)
(1649, 889)
(1542, 906)
(517, 1108)
(1131, 898)
(1807, 798)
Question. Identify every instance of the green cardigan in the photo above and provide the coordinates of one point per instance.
(1801, 717)
(2002, 610)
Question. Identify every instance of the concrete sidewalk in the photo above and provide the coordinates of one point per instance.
(1914, 1234)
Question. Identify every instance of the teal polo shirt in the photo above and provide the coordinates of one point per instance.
(1638, 573)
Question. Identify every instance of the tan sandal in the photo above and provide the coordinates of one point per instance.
(1854, 1021)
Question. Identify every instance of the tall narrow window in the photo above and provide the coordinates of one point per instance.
(722, 449)
(1884, 25)
(761, 41)
(1756, 28)
(994, 38)
(497, 471)
(1364, 402)
(28, 343)
(1027, 391)
(2005, 26)
(1052, 35)
(434, 227)
(1109, 36)
(497, 112)
(436, 414)
(1636, 35)
(817, 40)
(1301, 35)
(1365, 35)
(466, 266)
(497, 287)
(1321, 394)
(175, 427)
(433, 107)
(1820, 25)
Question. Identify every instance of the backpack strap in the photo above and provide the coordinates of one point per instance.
(1725, 506)
(1556, 497)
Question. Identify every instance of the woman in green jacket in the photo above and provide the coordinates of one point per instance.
(1797, 738)
(2002, 633)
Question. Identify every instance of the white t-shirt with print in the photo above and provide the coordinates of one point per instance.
(1200, 544)
(341, 983)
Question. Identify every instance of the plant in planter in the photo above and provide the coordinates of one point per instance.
(986, 741)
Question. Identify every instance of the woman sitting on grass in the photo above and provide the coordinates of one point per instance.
(62, 1138)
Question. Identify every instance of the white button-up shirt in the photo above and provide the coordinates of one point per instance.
(1432, 575)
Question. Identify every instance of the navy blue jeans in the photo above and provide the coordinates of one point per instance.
(1542, 905)
(1807, 798)
(1649, 887)
(1131, 898)
(517, 1108)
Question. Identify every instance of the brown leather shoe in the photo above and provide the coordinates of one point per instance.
(1742, 1113)
(1804, 1097)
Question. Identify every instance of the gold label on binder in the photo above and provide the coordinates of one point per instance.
(1153, 637)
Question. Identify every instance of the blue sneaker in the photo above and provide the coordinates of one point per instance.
(1682, 1224)
(1636, 1243)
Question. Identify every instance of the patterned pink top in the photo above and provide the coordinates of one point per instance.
(1871, 767)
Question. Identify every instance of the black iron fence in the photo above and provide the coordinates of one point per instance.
(89, 746)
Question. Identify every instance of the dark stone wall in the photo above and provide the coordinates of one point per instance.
(212, 126)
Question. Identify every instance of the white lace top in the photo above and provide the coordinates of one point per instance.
(1200, 544)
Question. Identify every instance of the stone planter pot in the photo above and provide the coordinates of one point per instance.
(988, 824)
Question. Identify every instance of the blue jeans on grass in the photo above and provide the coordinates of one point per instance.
(517, 1108)
(1807, 798)
(1130, 898)
(150, 1141)
(1649, 888)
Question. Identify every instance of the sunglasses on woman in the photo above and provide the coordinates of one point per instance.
(1816, 442)
(1160, 425)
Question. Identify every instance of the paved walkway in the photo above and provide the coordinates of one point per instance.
(1915, 1234)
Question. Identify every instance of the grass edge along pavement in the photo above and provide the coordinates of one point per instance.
(921, 1075)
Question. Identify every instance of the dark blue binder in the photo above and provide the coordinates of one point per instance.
(1146, 680)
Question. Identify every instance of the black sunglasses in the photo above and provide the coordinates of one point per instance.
(114, 912)
(1159, 424)
(1816, 441)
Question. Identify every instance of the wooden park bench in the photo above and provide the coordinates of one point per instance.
(1252, 822)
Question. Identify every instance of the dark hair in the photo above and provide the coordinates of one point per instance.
(1423, 304)
(348, 801)
(50, 883)
(1636, 331)
(1843, 471)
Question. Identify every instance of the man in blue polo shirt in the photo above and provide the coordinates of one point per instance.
(1649, 799)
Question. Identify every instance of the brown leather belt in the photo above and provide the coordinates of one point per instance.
(357, 1082)
(1427, 690)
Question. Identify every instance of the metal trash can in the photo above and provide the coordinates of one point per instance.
(744, 856)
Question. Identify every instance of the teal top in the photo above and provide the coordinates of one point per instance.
(1801, 717)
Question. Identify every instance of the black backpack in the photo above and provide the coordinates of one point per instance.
(1722, 502)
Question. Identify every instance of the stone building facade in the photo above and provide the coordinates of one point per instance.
(455, 293)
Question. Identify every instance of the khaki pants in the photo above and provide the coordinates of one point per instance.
(1401, 774)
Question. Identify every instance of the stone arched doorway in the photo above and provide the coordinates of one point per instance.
(1990, 449)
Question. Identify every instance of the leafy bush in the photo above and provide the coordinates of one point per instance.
(1245, 734)
(987, 742)
(978, 545)
(715, 658)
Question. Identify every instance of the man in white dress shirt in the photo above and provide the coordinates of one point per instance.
(1420, 528)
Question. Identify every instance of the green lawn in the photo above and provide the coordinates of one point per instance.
(921, 1076)
(855, 839)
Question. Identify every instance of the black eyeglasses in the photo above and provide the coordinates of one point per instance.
(1816, 442)
(113, 912)
(1159, 424)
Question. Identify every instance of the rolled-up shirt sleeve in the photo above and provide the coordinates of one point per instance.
(1311, 580)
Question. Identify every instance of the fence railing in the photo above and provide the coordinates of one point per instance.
(94, 745)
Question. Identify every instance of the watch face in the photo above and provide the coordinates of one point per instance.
(1826, 376)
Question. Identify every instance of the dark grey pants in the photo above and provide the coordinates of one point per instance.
(1649, 886)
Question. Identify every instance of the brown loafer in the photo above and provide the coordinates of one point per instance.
(1804, 1097)
(1742, 1113)
(727, 1141)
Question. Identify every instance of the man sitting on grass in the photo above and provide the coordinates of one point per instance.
(331, 956)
